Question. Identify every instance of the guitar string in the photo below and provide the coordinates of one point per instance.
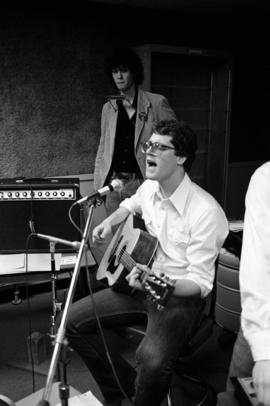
(129, 261)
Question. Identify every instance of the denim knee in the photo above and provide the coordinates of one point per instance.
(150, 360)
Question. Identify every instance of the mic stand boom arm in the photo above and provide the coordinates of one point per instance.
(59, 340)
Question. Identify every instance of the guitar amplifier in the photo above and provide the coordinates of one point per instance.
(41, 206)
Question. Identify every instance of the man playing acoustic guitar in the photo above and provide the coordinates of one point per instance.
(190, 228)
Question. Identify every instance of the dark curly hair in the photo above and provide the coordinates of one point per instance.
(184, 139)
(127, 58)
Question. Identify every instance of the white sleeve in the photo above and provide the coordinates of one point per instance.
(207, 236)
(255, 265)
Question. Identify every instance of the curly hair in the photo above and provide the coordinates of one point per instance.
(127, 58)
(184, 139)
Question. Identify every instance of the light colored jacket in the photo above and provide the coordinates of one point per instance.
(151, 108)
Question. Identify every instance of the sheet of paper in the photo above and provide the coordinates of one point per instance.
(39, 262)
(85, 399)
(14, 261)
(42, 262)
(68, 260)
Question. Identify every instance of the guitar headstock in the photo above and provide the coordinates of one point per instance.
(158, 288)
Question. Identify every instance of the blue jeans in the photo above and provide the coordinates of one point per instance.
(156, 357)
(241, 363)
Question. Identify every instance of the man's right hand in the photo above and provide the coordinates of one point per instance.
(101, 231)
(261, 381)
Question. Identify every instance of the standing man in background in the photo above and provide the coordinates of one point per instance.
(126, 123)
(251, 354)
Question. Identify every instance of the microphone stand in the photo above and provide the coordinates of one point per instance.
(60, 337)
(56, 304)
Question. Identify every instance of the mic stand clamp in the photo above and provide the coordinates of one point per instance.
(60, 336)
(56, 305)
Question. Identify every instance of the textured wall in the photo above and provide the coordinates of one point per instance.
(52, 87)
(52, 80)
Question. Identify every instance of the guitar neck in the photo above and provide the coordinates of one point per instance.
(129, 264)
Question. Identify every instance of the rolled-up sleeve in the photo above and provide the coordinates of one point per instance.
(207, 236)
(255, 265)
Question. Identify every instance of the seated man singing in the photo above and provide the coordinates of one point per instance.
(190, 227)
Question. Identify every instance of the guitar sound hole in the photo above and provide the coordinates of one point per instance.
(120, 254)
(115, 257)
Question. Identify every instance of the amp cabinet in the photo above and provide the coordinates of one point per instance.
(39, 205)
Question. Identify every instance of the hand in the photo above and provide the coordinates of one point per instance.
(100, 232)
(261, 381)
(133, 276)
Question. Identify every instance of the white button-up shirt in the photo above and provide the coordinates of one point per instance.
(255, 265)
(190, 226)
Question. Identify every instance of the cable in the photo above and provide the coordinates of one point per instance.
(105, 345)
(95, 309)
(71, 219)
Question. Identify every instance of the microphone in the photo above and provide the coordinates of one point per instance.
(116, 184)
(73, 244)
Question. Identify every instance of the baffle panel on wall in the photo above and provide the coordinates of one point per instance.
(197, 84)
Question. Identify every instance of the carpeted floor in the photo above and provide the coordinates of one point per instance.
(18, 379)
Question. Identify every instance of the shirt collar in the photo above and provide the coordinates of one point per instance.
(179, 196)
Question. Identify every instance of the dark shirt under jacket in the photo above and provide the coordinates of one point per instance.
(124, 159)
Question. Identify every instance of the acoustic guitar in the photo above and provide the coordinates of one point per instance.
(130, 245)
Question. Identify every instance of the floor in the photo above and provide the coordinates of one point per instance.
(19, 378)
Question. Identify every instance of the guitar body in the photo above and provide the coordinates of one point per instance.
(128, 246)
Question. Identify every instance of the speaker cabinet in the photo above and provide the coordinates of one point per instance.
(39, 205)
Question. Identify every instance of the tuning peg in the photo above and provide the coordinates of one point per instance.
(162, 274)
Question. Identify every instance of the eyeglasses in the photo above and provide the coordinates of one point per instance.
(154, 147)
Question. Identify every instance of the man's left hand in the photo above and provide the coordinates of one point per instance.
(133, 276)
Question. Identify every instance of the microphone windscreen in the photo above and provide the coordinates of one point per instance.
(117, 185)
